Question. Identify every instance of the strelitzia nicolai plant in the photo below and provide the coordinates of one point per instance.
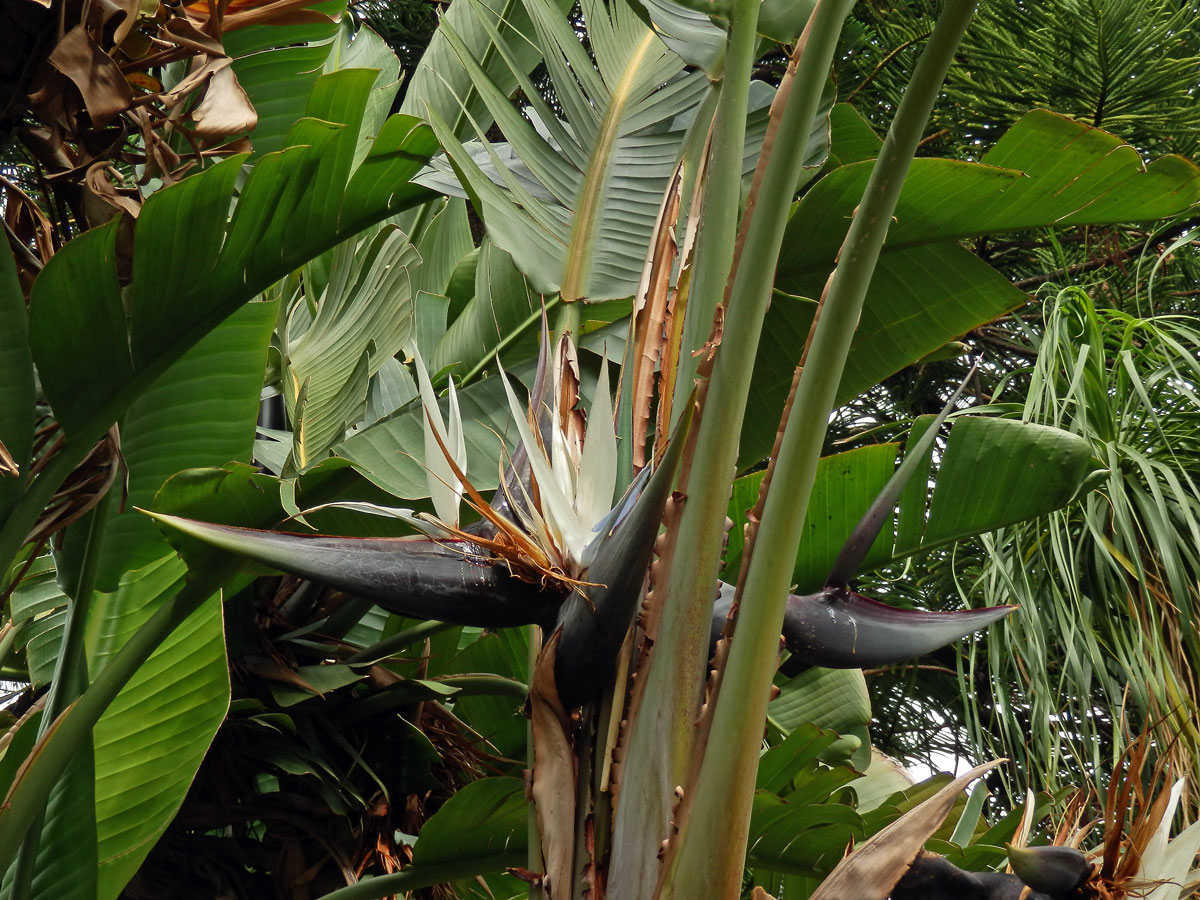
(585, 593)
(664, 850)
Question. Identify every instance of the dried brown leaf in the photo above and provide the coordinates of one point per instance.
(651, 309)
(872, 870)
(8, 465)
(183, 33)
(225, 109)
(99, 79)
(280, 12)
(112, 200)
(203, 68)
(128, 10)
(553, 787)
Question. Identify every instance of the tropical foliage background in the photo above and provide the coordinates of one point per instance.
(236, 227)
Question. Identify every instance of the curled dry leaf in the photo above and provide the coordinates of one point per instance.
(112, 200)
(652, 313)
(105, 90)
(872, 870)
(225, 109)
(553, 775)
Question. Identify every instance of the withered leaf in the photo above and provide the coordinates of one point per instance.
(225, 109)
(553, 775)
(104, 89)
(872, 870)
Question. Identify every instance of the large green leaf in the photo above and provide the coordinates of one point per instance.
(39, 611)
(150, 741)
(277, 67)
(66, 857)
(800, 838)
(333, 344)
(578, 210)
(386, 453)
(1047, 170)
(917, 301)
(846, 484)
(690, 32)
(442, 245)
(927, 289)
(835, 699)
(502, 309)
(497, 719)
(193, 265)
(483, 827)
(362, 48)
(199, 413)
(442, 81)
(122, 789)
(1030, 471)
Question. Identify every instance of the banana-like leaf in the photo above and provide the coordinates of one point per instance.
(442, 245)
(835, 699)
(578, 218)
(200, 412)
(443, 83)
(1029, 179)
(690, 32)
(39, 611)
(66, 859)
(146, 748)
(497, 719)
(362, 319)
(927, 289)
(362, 48)
(193, 265)
(1036, 469)
(502, 308)
(152, 738)
(801, 839)
(277, 67)
(386, 452)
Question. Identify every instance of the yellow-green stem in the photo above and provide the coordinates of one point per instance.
(720, 812)
(663, 733)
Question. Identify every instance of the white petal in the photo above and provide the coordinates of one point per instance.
(444, 488)
(598, 465)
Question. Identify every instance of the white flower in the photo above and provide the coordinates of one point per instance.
(574, 484)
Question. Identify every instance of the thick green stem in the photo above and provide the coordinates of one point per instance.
(662, 738)
(720, 805)
(713, 254)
